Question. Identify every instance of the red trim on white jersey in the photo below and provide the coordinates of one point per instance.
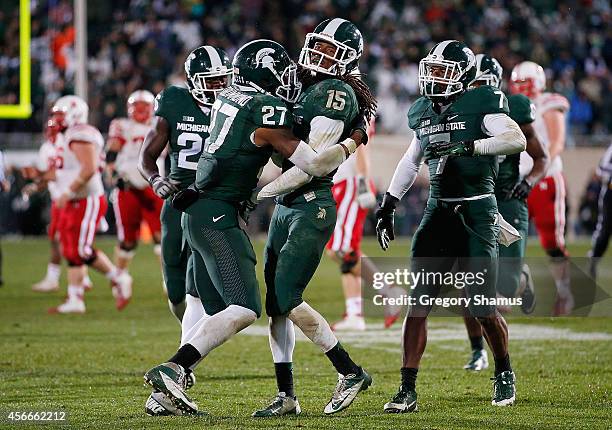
(88, 227)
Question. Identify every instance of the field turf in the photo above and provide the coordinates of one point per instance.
(91, 365)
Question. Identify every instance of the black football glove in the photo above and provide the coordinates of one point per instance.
(120, 184)
(360, 124)
(464, 148)
(246, 207)
(163, 187)
(385, 221)
(521, 190)
(185, 198)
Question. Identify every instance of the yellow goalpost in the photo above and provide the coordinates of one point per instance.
(24, 108)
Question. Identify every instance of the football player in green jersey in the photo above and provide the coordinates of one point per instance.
(248, 121)
(182, 117)
(459, 133)
(514, 278)
(305, 214)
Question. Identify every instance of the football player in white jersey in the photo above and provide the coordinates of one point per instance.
(43, 174)
(133, 200)
(546, 201)
(355, 195)
(83, 204)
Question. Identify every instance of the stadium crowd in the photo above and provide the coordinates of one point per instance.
(142, 43)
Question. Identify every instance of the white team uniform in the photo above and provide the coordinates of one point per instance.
(546, 201)
(68, 166)
(543, 103)
(47, 158)
(131, 134)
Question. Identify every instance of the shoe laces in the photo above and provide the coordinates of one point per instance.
(276, 401)
(400, 395)
(341, 384)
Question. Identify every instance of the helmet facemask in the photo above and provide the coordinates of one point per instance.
(313, 59)
(487, 78)
(290, 87)
(444, 84)
(204, 86)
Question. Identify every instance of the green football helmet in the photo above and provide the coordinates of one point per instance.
(344, 36)
(488, 71)
(447, 70)
(265, 65)
(203, 65)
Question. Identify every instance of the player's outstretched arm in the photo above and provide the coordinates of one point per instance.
(506, 136)
(324, 133)
(151, 149)
(302, 155)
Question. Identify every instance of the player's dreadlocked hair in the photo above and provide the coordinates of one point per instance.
(366, 100)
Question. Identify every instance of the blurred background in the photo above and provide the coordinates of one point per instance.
(135, 44)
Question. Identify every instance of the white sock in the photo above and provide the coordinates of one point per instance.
(281, 335)
(353, 306)
(314, 326)
(211, 331)
(112, 273)
(76, 292)
(194, 312)
(53, 272)
(87, 280)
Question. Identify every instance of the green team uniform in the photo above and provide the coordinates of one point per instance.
(224, 260)
(464, 229)
(514, 211)
(188, 131)
(304, 219)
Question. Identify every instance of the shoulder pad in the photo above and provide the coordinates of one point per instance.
(522, 111)
(117, 127)
(484, 100)
(420, 109)
(331, 98)
(169, 99)
(548, 101)
(84, 133)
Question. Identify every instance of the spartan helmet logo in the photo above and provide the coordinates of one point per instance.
(471, 57)
(265, 60)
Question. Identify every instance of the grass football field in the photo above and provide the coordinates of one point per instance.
(91, 365)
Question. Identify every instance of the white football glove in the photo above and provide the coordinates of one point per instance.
(366, 199)
(163, 187)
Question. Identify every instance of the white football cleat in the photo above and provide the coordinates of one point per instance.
(158, 404)
(122, 290)
(72, 305)
(348, 323)
(46, 286)
(87, 284)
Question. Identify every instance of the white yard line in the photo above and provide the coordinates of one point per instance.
(450, 331)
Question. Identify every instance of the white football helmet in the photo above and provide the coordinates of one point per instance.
(528, 78)
(140, 105)
(70, 110)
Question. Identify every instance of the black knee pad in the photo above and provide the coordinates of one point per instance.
(349, 260)
(91, 258)
(74, 263)
(128, 246)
